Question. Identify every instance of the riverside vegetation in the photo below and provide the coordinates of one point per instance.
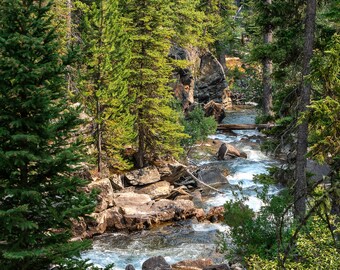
(96, 81)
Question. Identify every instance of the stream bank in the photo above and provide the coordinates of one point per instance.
(190, 239)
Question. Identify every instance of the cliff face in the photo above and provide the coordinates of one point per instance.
(202, 81)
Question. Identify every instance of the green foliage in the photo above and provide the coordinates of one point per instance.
(38, 149)
(198, 127)
(315, 248)
(151, 25)
(255, 233)
(106, 59)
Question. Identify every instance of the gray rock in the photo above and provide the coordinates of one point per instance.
(143, 176)
(217, 267)
(211, 83)
(156, 263)
(129, 267)
(212, 176)
(156, 190)
(105, 196)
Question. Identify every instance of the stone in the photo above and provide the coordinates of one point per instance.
(117, 181)
(222, 151)
(217, 267)
(211, 83)
(212, 176)
(215, 214)
(233, 151)
(156, 263)
(130, 198)
(215, 109)
(144, 176)
(192, 264)
(156, 190)
(130, 267)
(171, 171)
(109, 219)
(236, 266)
(105, 196)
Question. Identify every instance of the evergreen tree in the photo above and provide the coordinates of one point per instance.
(156, 123)
(38, 152)
(104, 85)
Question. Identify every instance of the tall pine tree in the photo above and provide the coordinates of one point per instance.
(157, 123)
(107, 54)
(38, 154)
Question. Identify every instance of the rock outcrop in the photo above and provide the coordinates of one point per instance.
(203, 79)
(210, 83)
(147, 175)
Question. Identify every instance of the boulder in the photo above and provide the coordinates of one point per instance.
(212, 176)
(236, 266)
(171, 171)
(211, 83)
(105, 196)
(192, 264)
(156, 190)
(117, 181)
(217, 267)
(156, 263)
(215, 214)
(109, 219)
(233, 151)
(179, 191)
(143, 176)
(130, 198)
(130, 267)
(215, 109)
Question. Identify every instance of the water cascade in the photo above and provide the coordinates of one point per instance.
(188, 239)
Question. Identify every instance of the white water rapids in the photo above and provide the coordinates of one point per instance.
(188, 240)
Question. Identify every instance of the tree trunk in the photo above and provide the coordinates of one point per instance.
(300, 189)
(267, 72)
(141, 148)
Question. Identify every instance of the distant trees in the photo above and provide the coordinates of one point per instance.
(39, 152)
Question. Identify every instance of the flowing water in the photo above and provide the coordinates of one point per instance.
(187, 239)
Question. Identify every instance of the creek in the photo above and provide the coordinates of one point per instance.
(189, 239)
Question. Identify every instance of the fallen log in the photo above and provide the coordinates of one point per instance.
(244, 126)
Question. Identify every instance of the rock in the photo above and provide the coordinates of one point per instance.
(105, 197)
(185, 77)
(215, 214)
(117, 181)
(109, 219)
(156, 190)
(217, 267)
(222, 151)
(211, 83)
(130, 198)
(212, 176)
(179, 191)
(233, 151)
(143, 176)
(156, 263)
(130, 267)
(171, 171)
(215, 109)
(226, 99)
(192, 264)
(236, 266)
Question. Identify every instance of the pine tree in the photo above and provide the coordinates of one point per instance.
(106, 58)
(38, 151)
(157, 127)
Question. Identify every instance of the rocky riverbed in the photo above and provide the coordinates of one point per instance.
(177, 218)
